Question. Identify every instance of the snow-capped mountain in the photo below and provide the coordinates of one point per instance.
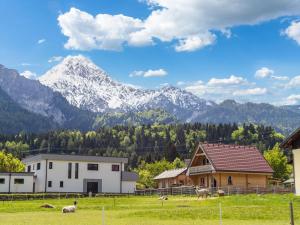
(39, 99)
(89, 87)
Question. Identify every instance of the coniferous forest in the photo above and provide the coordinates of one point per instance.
(148, 142)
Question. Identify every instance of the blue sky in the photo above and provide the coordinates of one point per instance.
(232, 49)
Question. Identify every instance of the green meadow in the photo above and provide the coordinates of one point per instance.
(139, 210)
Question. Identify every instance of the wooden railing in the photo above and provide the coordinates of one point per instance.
(200, 169)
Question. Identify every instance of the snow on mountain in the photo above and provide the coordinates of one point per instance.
(89, 87)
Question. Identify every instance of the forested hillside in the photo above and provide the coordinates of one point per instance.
(148, 142)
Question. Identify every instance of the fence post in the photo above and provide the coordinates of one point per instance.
(228, 191)
(220, 207)
(292, 213)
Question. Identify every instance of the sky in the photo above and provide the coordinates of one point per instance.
(216, 49)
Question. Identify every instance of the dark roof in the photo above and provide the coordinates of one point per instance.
(129, 176)
(17, 173)
(235, 158)
(287, 142)
(170, 174)
(81, 158)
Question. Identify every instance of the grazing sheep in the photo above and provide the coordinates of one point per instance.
(70, 208)
(220, 193)
(163, 197)
(47, 206)
(202, 192)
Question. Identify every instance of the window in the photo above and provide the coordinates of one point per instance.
(28, 168)
(49, 183)
(92, 166)
(50, 165)
(2, 180)
(115, 167)
(202, 181)
(70, 170)
(61, 184)
(76, 170)
(19, 181)
(229, 180)
(38, 166)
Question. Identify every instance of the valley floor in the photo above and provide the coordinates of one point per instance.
(179, 210)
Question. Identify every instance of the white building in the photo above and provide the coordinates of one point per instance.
(80, 174)
(292, 142)
(16, 182)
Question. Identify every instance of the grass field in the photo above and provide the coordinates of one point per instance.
(237, 210)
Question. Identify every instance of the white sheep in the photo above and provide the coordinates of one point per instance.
(70, 208)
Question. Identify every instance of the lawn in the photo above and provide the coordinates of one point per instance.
(178, 210)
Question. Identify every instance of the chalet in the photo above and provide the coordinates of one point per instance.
(292, 143)
(172, 178)
(219, 165)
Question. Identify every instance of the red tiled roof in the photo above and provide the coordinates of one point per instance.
(236, 158)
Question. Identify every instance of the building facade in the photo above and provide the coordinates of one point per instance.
(80, 174)
(223, 166)
(172, 178)
(292, 143)
(16, 182)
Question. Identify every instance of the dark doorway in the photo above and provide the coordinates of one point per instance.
(215, 183)
(33, 188)
(92, 187)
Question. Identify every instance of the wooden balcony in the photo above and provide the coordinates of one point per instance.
(200, 169)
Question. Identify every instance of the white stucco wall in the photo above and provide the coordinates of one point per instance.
(17, 188)
(128, 186)
(59, 172)
(296, 156)
(4, 187)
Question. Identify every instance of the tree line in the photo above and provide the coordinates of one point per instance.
(147, 143)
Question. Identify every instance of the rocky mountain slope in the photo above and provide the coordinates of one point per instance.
(88, 87)
(14, 118)
(42, 100)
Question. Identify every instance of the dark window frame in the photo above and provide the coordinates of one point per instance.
(29, 168)
(38, 166)
(115, 167)
(19, 181)
(92, 166)
(49, 183)
(61, 184)
(50, 165)
(229, 180)
(76, 170)
(2, 180)
(69, 170)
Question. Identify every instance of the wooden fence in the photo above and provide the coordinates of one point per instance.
(190, 190)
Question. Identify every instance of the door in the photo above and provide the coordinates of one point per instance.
(92, 187)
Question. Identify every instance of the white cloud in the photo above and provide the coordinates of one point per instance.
(294, 82)
(195, 42)
(189, 23)
(293, 99)
(251, 91)
(55, 59)
(25, 64)
(232, 80)
(149, 73)
(293, 31)
(281, 78)
(29, 75)
(41, 41)
(104, 31)
(264, 72)
(180, 83)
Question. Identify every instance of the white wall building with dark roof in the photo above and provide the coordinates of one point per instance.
(16, 182)
(78, 174)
